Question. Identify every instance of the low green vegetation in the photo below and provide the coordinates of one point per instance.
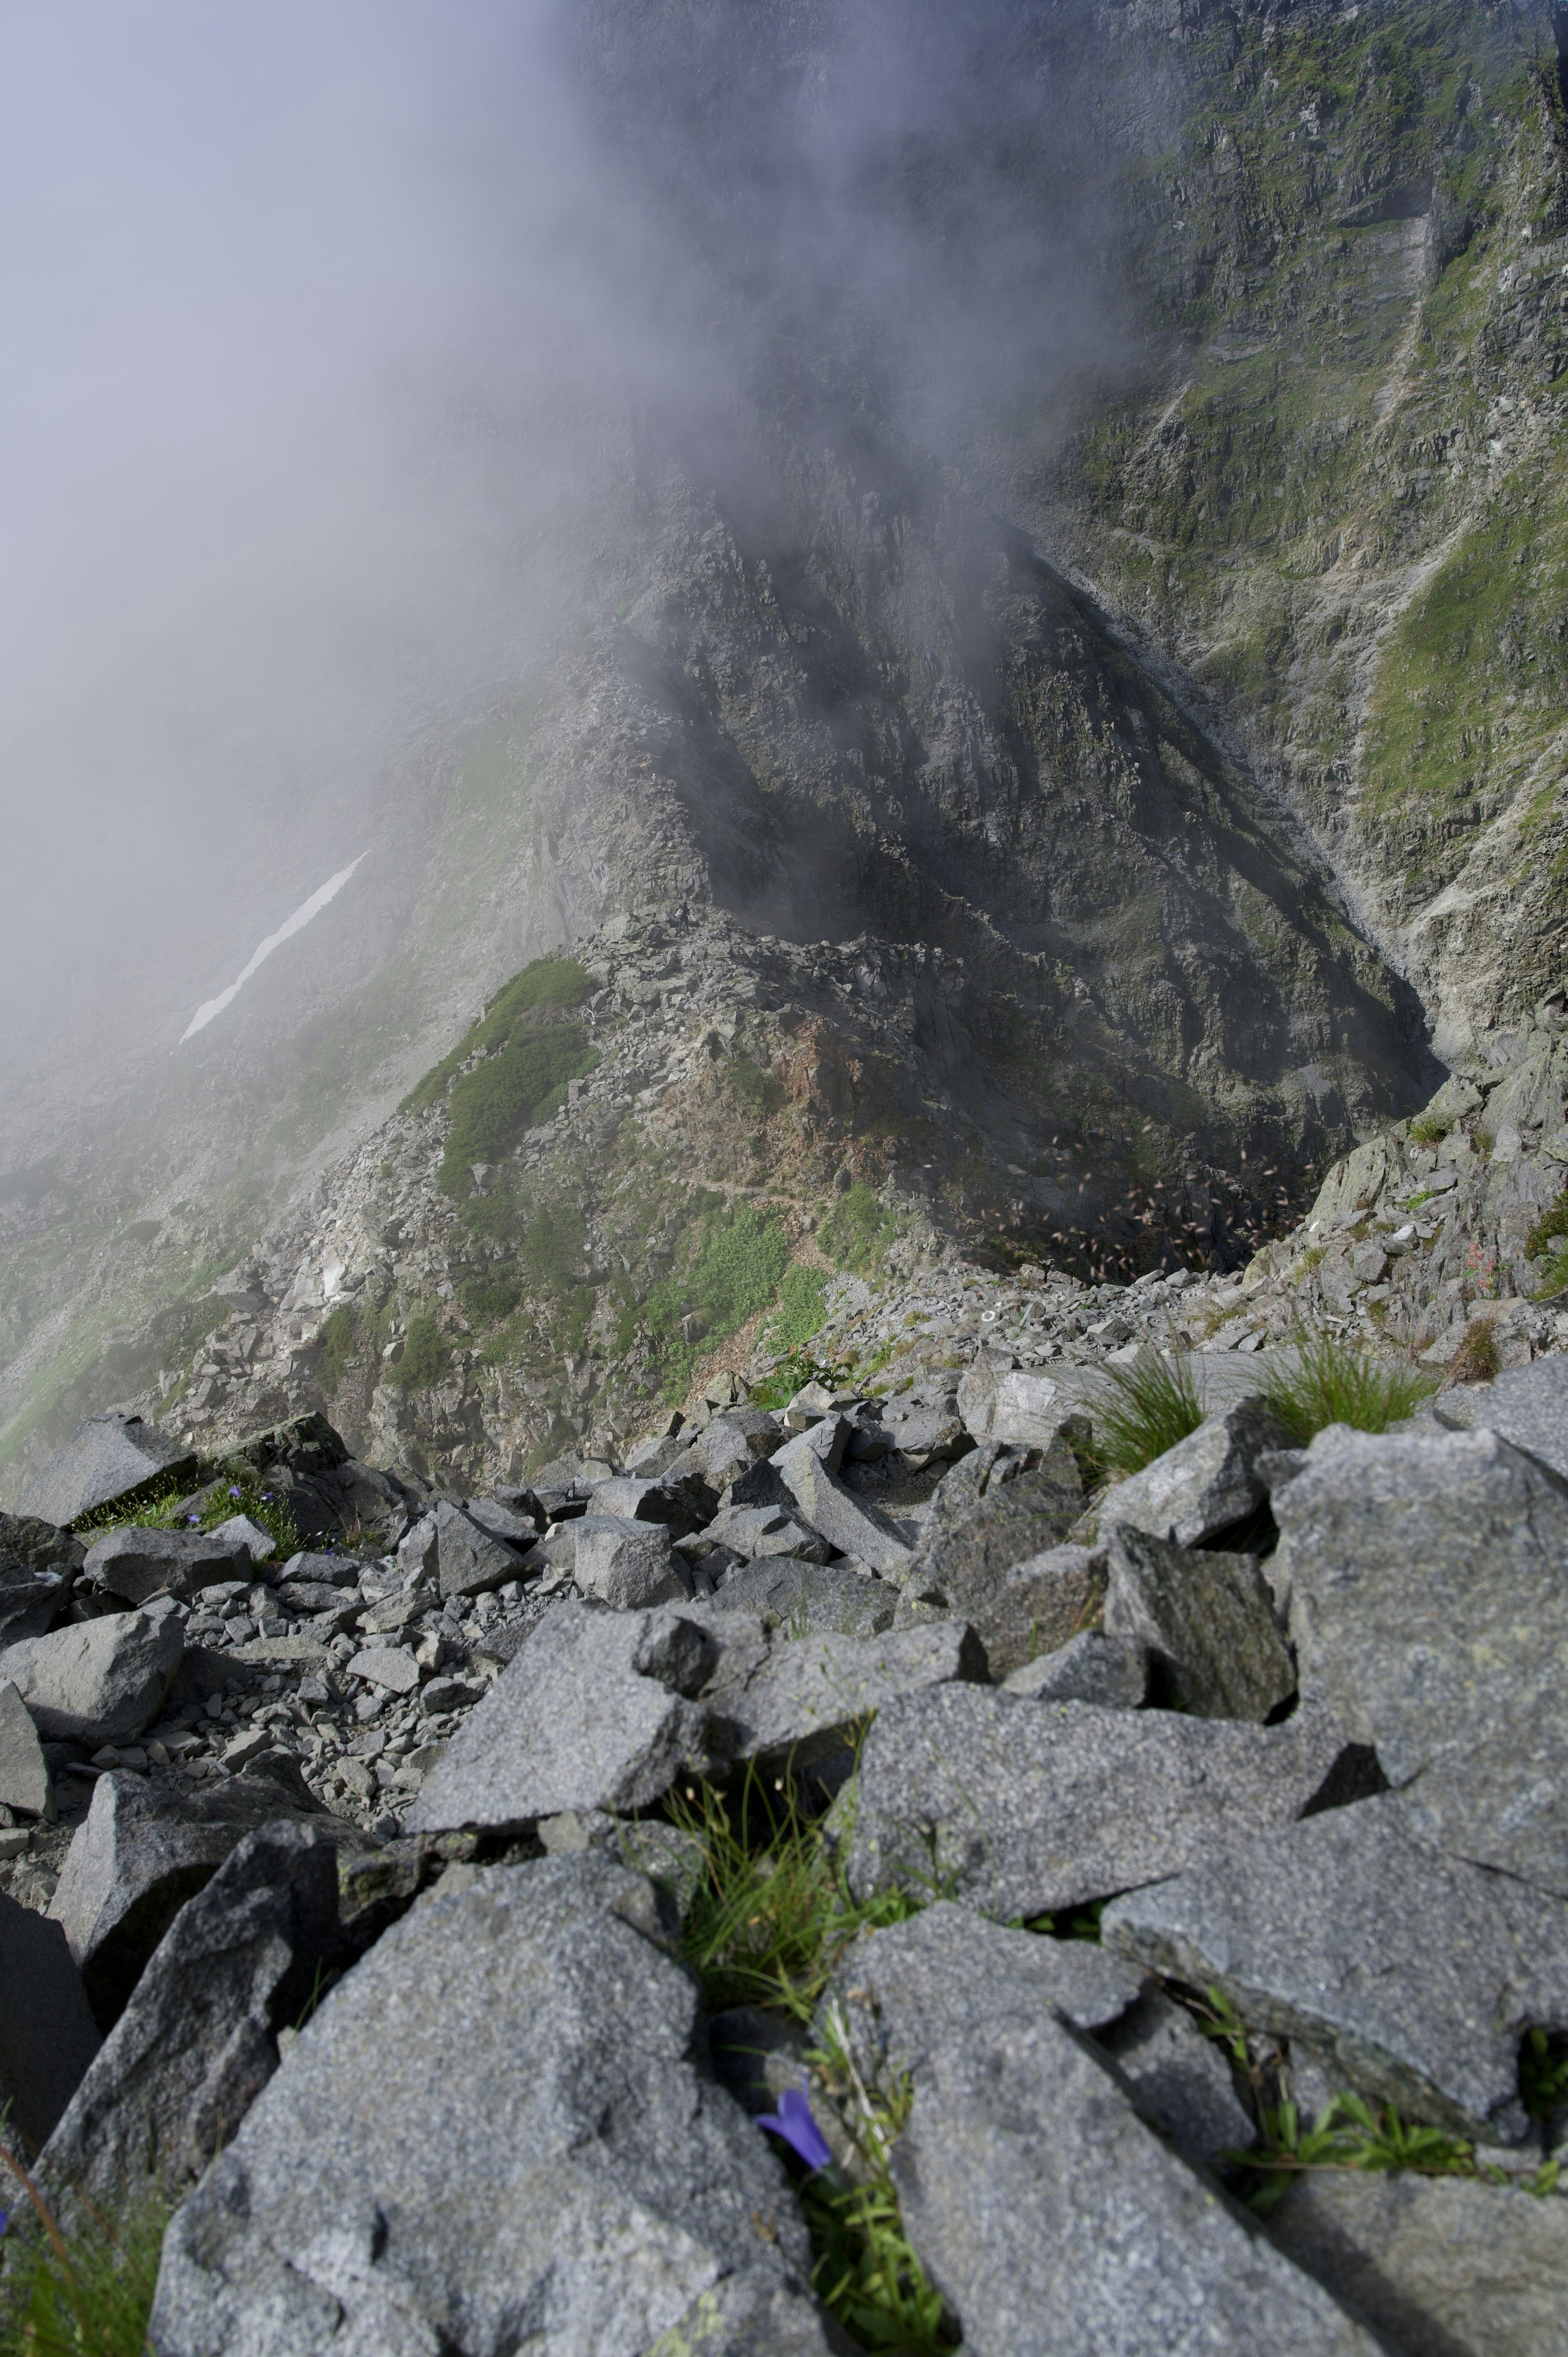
(338, 1341)
(1145, 1408)
(1548, 1242)
(757, 1091)
(1331, 1384)
(487, 1299)
(548, 981)
(733, 1260)
(85, 2292)
(857, 1232)
(426, 1357)
(794, 1371)
(1477, 1359)
(517, 1086)
(1429, 1129)
(164, 1508)
(800, 1307)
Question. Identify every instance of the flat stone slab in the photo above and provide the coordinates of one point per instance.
(596, 1710)
(105, 1462)
(1112, 1672)
(1206, 1483)
(1427, 1578)
(809, 1599)
(831, 1506)
(1443, 2264)
(137, 1564)
(1207, 1620)
(1528, 1405)
(1019, 1807)
(806, 1696)
(1055, 2221)
(387, 1666)
(493, 2132)
(1412, 1974)
(99, 1681)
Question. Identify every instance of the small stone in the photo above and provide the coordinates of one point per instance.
(388, 1667)
(1112, 1672)
(449, 1693)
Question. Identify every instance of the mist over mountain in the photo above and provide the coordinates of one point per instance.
(1029, 480)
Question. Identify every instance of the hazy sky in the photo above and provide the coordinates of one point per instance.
(322, 326)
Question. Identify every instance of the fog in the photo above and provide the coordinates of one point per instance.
(333, 334)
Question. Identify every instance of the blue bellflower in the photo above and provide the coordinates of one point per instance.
(793, 2122)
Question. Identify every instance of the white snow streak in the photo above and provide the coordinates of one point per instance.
(302, 916)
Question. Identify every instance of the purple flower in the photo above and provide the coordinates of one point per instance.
(4, 2221)
(793, 2122)
(234, 1493)
(194, 1520)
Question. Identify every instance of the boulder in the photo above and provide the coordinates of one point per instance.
(259, 1544)
(1055, 2222)
(390, 1667)
(627, 1564)
(996, 1509)
(25, 1787)
(47, 2035)
(1412, 1974)
(595, 1711)
(753, 1531)
(1181, 2081)
(605, 2197)
(809, 1599)
(831, 1506)
(39, 1565)
(137, 1564)
(1111, 1672)
(1526, 1406)
(1442, 2264)
(1020, 1809)
(1208, 1621)
(1206, 1483)
(471, 1559)
(1018, 1409)
(1033, 1607)
(515, 1526)
(926, 1434)
(199, 2040)
(1427, 1579)
(419, 1549)
(99, 1681)
(110, 1460)
(304, 1444)
(679, 1506)
(806, 1697)
(137, 1856)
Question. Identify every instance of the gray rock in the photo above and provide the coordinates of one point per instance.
(107, 1461)
(809, 1598)
(831, 1506)
(1181, 2081)
(606, 2197)
(1413, 1974)
(102, 1679)
(752, 1531)
(999, 1509)
(24, 1785)
(1444, 2265)
(1053, 2220)
(137, 1564)
(1528, 1405)
(627, 1564)
(133, 1863)
(897, 1989)
(470, 1558)
(199, 2040)
(258, 1544)
(681, 1506)
(926, 1436)
(1427, 1574)
(1012, 1407)
(514, 1528)
(1206, 1483)
(1111, 1672)
(1208, 1621)
(595, 1712)
(39, 1565)
(388, 1667)
(1034, 1606)
(419, 1550)
(806, 1696)
(1020, 1808)
(47, 2035)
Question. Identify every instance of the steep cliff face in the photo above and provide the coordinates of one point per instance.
(1103, 525)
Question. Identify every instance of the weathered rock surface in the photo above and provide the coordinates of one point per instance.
(597, 1711)
(105, 1462)
(1208, 1621)
(626, 1564)
(47, 2035)
(597, 2195)
(471, 1559)
(39, 1565)
(806, 1696)
(812, 1598)
(831, 1506)
(102, 1679)
(1526, 1405)
(133, 1863)
(1428, 1581)
(1112, 1672)
(24, 1786)
(139, 1563)
(1206, 1483)
(1015, 1409)
(1181, 2081)
(1052, 2217)
(1020, 1807)
(1440, 2264)
(1413, 1974)
(197, 2040)
(1033, 1608)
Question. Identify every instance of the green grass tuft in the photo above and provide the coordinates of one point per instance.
(519, 1084)
(1149, 1406)
(338, 1344)
(855, 1233)
(1477, 1359)
(81, 2293)
(757, 1091)
(426, 1357)
(1331, 1384)
(548, 981)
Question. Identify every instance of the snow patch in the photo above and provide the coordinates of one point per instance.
(302, 916)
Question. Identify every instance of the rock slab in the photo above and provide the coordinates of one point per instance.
(106, 1460)
(1206, 1483)
(138, 1564)
(102, 1679)
(1207, 1619)
(47, 2035)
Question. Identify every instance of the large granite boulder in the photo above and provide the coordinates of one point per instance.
(1208, 1621)
(99, 1681)
(47, 2035)
(110, 1460)
(137, 1564)
(1204, 1485)
(1427, 1579)
(496, 2132)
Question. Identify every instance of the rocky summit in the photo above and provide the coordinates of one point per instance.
(786, 1564)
